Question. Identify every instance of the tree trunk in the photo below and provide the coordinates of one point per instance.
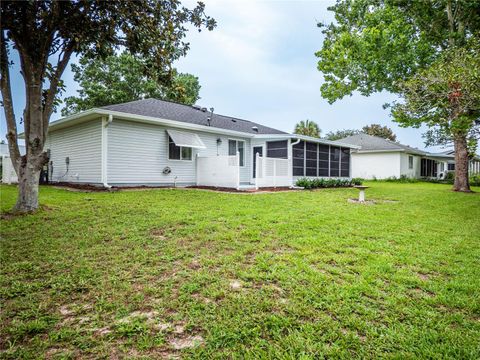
(28, 178)
(461, 164)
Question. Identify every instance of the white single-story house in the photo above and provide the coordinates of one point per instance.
(380, 158)
(9, 176)
(161, 143)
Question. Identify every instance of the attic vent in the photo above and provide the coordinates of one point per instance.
(254, 128)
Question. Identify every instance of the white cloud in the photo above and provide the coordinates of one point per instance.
(259, 64)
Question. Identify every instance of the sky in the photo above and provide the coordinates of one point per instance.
(259, 64)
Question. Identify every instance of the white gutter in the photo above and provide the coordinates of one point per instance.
(290, 157)
(324, 141)
(419, 153)
(105, 123)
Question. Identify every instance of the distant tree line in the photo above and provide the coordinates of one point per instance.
(311, 128)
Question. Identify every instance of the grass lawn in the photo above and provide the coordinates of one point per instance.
(199, 274)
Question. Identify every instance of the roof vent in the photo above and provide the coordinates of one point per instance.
(234, 120)
(197, 107)
(204, 109)
(255, 128)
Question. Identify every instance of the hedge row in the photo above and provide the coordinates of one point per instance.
(327, 183)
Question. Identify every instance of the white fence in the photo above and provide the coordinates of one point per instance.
(9, 176)
(272, 172)
(219, 171)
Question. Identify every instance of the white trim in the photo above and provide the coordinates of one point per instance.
(263, 146)
(236, 148)
(419, 153)
(104, 153)
(306, 138)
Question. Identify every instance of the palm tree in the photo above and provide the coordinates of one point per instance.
(308, 128)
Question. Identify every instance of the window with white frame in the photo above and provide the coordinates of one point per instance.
(178, 152)
(235, 146)
(410, 162)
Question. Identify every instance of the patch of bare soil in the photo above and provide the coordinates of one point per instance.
(231, 190)
(366, 202)
(371, 202)
(186, 342)
(77, 187)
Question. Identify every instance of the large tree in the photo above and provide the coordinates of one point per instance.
(308, 128)
(446, 97)
(377, 45)
(122, 78)
(372, 129)
(340, 134)
(47, 33)
(380, 131)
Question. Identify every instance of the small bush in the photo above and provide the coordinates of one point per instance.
(475, 179)
(401, 179)
(316, 183)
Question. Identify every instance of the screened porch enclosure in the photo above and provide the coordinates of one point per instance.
(319, 160)
(428, 168)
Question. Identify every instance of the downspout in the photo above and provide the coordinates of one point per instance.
(291, 160)
(105, 123)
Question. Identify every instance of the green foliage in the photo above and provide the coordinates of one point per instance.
(450, 176)
(373, 129)
(122, 78)
(315, 183)
(475, 179)
(380, 131)
(308, 128)
(446, 96)
(402, 179)
(374, 44)
(340, 134)
(151, 30)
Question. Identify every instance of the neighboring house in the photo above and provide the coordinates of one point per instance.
(156, 142)
(473, 164)
(9, 176)
(380, 158)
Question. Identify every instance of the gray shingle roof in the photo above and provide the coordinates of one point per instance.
(375, 143)
(189, 114)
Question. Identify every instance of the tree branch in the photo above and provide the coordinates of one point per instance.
(52, 91)
(12, 134)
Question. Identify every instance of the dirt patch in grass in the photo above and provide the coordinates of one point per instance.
(186, 342)
(253, 190)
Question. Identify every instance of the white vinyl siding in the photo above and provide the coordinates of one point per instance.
(138, 153)
(405, 169)
(376, 165)
(82, 144)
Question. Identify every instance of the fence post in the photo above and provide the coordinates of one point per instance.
(196, 168)
(238, 169)
(274, 173)
(257, 157)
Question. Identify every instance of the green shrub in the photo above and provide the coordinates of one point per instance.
(475, 179)
(450, 176)
(357, 181)
(401, 179)
(316, 183)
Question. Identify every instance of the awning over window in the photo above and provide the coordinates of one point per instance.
(181, 138)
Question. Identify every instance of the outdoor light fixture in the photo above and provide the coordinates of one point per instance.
(219, 141)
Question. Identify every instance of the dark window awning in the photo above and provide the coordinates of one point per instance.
(186, 139)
